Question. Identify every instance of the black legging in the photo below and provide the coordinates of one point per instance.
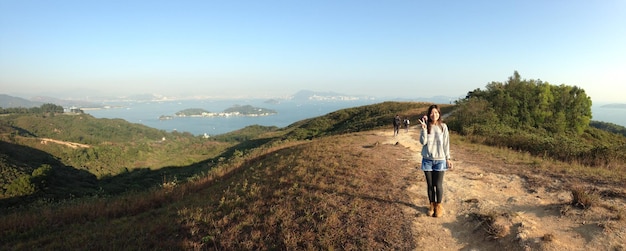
(434, 182)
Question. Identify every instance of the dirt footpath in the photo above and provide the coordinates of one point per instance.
(65, 143)
(490, 211)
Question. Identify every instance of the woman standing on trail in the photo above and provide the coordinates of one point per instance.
(435, 139)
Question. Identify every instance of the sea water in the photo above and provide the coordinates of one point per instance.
(288, 112)
(608, 114)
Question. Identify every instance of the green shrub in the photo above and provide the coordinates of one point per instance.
(22, 186)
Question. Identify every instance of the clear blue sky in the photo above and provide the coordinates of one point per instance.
(276, 48)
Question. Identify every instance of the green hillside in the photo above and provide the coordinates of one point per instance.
(76, 182)
(109, 155)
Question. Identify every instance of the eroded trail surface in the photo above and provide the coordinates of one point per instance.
(488, 210)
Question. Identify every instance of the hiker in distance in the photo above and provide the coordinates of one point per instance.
(435, 139)
(407, 123)
(396, 125)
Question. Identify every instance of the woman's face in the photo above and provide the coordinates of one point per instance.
(434, 115)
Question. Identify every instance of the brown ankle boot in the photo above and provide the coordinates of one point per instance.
(438, 209)
(431, 209)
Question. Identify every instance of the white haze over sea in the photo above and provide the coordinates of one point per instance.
(148, 113)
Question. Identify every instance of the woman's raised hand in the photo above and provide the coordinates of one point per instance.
(423, 121)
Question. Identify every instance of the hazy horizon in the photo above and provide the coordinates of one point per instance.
(243, 49)
(164, 97)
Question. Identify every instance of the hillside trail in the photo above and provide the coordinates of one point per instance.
(65, 143)
(525, 219)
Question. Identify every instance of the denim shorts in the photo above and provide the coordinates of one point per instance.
(434, 165)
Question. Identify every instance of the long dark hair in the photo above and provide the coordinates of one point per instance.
(439, 122)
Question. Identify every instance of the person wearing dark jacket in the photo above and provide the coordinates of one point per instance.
(396, 125)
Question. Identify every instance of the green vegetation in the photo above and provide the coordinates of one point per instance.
(353, 120)
(526, 104)
(249, 110)
(536, 117)
(246, 134)
(111, 144)
(48, 108)
(92, 156)
(245, 110)
(29, 184)
(609, 127)
(192, 112)
(321, 183)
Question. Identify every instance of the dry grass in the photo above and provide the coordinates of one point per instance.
(332, 193)
(504, 160)
(336, 193)
(585, 196)
(495, 225)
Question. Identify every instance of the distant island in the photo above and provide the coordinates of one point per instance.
(272, 101)
(248, 110)
(236, 110)
(191, 112)
(620, 106)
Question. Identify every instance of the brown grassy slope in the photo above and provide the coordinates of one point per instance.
(341, 192)
(344, 192)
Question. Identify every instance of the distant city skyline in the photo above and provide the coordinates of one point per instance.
(270, 49)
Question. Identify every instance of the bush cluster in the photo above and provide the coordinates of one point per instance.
(539, 118)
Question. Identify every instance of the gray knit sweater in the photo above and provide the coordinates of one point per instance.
(436, 145)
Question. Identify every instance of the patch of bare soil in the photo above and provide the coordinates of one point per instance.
(65, 143)
(491, 207)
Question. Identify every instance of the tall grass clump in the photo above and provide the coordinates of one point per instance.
(584, 197)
